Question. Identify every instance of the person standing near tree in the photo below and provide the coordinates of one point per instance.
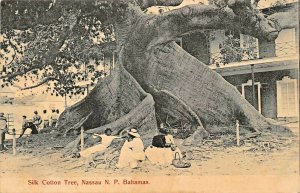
(54, 117)
(37, 120)
(46, 119)
(28, 124)
(57, 115)
(3, 130)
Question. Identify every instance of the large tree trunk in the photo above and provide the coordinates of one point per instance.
(158, 82)
(215, 101)
(117, 102)
(185, 92)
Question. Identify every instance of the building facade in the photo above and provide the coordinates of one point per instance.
(265, 73)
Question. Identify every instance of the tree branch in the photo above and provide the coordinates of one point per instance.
(45, 12)
(49, 59)
(144, 4)
(40, 83)
(14, 16)
(19, 73)
(172, 24)
(53, 51)
(15, 52)
(237, 15)
(284, 20)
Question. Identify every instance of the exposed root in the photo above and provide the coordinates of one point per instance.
(79, 124)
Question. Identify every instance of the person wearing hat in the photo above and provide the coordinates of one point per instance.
(132, 151)
(3, 130)
(28, 124)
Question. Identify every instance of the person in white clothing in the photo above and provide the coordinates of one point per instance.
(105, 141)
(132, 151)
(3, 131)
(37, 120)
(53, 118)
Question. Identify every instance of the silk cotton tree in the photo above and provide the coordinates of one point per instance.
(155, 80)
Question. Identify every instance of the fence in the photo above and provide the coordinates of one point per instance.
(250, 53)
(234, 55)
(10, 120)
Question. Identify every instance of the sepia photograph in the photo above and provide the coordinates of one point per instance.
(158, 96)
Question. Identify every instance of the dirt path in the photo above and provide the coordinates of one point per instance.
(215, 168)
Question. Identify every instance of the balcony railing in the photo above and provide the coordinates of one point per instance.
(234, 55)
(250, 53)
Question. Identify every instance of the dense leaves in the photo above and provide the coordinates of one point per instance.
(66, 55)
(232, 51)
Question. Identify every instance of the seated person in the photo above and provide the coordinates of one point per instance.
(132, 151)
(3, 130)
(105, 141)
(28, 124)
(163, 153)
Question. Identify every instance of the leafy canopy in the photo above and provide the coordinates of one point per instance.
(59, 51)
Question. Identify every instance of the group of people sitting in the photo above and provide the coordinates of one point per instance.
(161, 152)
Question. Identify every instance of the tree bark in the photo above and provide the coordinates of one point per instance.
(117, 102)
(215, 101)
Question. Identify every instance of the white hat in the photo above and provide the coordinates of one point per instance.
(162, 125)
(134, 133)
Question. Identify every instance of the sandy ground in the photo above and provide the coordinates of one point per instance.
(232, 161)
(45, 160)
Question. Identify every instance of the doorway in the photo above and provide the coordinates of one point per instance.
(247, 93)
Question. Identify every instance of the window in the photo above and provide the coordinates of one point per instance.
(249, 46)
(287, 98)
(286, 43)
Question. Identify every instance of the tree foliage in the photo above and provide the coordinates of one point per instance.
(62, 52)
(52, 40)
(231, 50)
